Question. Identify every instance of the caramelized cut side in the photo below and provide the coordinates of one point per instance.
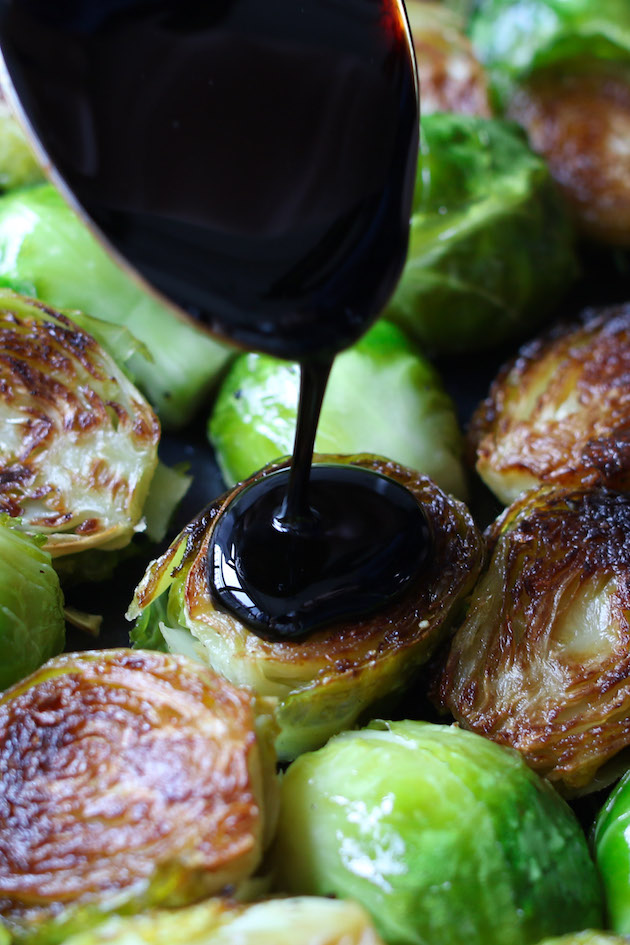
(127, 777)
(78, 442)
(542, 660)
(559, 413)
(581, 124)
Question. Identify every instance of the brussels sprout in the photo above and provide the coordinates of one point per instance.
(45, 250)
(306, 920)
(611, 842)
(451, 77)
(541, 661)
(443, 836)
(18, 165)
(515, 38)
(559, 412)
(561, 68)
(78, 442)
(491, 249)
(324, 682)
(127, 780)
(32, 625)
(382, 397)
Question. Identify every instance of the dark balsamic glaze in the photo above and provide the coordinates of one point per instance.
(255, 161)
(307, 546)
(286, 582)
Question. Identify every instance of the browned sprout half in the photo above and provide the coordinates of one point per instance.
(78, 442)
(451, 77)
(128, 779)
(325, 682)
(542, 660)
(559, 412)
(580, 123)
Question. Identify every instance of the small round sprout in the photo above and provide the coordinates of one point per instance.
(443, 836)
(127, 780)
(302, 920)
(451, 77)
(78, 442)
(611, 844)
(490, 244)
(323, 683)
(561, 68)
(541, 661)
(383, 397)
(576, 123)
(559, 412)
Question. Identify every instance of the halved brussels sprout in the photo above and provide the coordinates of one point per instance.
(45, 250)
(324, 682)
(78, 442)
(491, 248)
(305, 920)
(561, 68)
(451, 77)
(611, 843)
(559, 412)
(32, 624)
(443, 836)
(541, 661)
(383, 397)
(579, 123)
(128, 780)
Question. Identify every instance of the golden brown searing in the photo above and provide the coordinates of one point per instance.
(559, 412)
(542, 660)
(128, 779)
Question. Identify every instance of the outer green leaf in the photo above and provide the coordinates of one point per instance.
(32, 625)
(611, 841)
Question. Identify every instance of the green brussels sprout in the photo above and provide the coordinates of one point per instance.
(32, 625)
(305, 920)
(611, 843)
(561, 69)
(515, 38)
(491, 248)
(324, 682)
(128, 780)
(540, 662)
(382, 397)
(46, 250)
(78, 442)
(18, 165)
(440, 834)
(558, 413)
(451, 76)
